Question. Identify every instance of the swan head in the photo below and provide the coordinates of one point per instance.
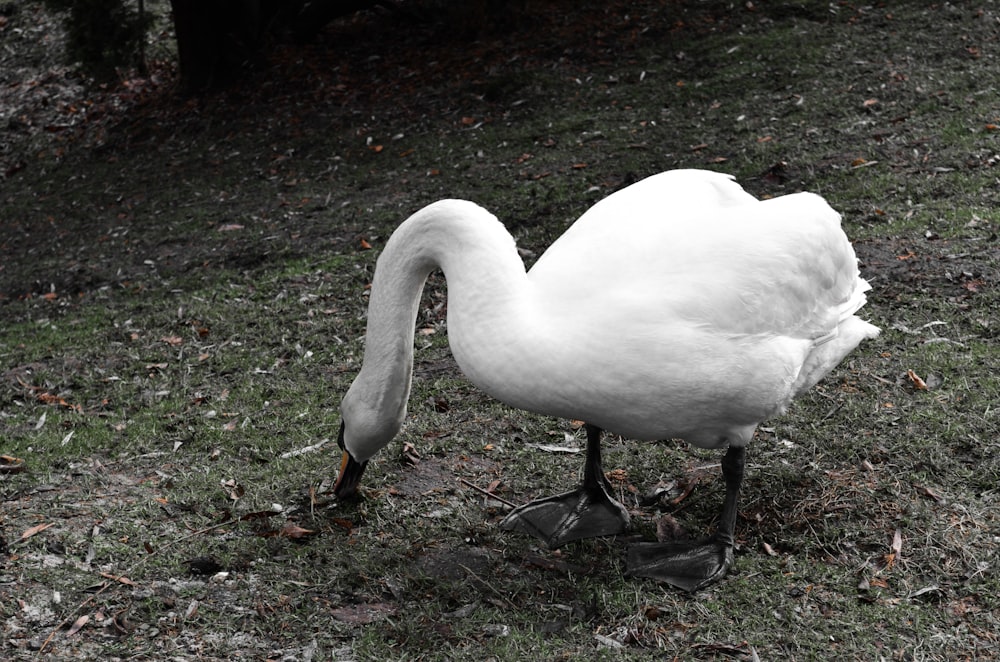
(364, 431)
(351, 470)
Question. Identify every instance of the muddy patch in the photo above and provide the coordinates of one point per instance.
(439, 475)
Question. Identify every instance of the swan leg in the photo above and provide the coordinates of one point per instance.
(693, 566)
(587, 512)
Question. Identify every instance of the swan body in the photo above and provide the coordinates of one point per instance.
(678, 307)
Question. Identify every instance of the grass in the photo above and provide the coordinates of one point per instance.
(208, 314)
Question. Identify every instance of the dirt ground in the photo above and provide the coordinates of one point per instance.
(182, 295)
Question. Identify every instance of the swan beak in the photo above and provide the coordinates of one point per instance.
(351, 470)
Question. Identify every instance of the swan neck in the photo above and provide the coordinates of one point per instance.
(486, 280)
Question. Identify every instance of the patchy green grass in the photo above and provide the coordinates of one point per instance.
(174, 397)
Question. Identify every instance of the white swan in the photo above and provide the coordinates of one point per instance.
(679, 307)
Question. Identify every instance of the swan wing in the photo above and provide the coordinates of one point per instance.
(693, 247)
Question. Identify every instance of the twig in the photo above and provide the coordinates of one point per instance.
(489, 494)
(485, 583)
(123, 579)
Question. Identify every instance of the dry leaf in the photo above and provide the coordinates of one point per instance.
(364, 613)
(118, 578)
(897, 543)
(173, 341)
(191, 610)
(917, 382)
(11, 465)
(926, 491)
(294, 531)
(77, 624)
(35, 529)
(232, 488)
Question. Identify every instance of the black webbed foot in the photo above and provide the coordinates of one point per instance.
(586, 512)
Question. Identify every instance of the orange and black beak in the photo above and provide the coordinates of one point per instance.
(347, 483)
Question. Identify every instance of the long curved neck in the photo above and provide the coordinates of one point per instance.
(488, 292)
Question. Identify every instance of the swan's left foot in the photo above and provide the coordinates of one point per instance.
(689, 566)
(557, 520)
(693, 566)
(587, 512)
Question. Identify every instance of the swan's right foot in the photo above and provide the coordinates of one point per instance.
(693, 566)
(689, 566)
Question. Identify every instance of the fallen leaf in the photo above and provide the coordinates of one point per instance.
(35, 529)
(191, 610)
(926, 491)
(230, 227)
(11, 465)
(294, 531)
(972, 285)
(232, 488)
(897, 543)
(77, 624)
(617, 475)
(118, 578)
(669, 530)
(917, 382)
(363, 614)
(553, 448)
(345, 524)
(173, 341)
(410, 453)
